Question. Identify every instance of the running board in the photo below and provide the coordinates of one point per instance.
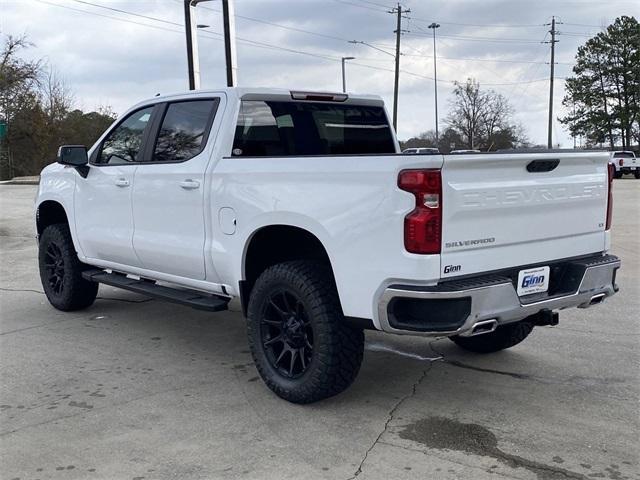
(192, 298)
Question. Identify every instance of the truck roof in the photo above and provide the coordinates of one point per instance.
(255, 93)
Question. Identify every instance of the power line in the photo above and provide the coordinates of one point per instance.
(112, 18)
(127, 12)
(499, 25)
(379, 10)
(438, 21)
(489, 60)
(375, 3)
(333, 37)
(584, 25)
(279, 25)
(215, 36)
(479, 39)
(576, 34)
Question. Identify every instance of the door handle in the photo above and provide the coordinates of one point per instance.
(122, 182)
(189, 184)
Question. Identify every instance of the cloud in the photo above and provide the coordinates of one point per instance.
(109, 60)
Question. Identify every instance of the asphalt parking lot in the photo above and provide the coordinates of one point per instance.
(134, 388)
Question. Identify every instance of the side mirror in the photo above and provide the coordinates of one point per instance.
(73, 155)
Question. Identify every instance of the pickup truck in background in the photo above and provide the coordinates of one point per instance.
(299, 208)
(625, 162)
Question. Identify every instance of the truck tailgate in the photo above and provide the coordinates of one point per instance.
(505, 210)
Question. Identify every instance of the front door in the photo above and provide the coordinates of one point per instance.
(169, 191)
(103, 199)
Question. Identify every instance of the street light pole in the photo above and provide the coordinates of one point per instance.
(190, 27)
(193, 63)
(433, 26)
(229, 30)
(344, 78)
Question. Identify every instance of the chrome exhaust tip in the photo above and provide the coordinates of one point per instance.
(486, 326)
(595, 300)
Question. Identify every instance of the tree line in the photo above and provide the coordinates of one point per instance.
(37, 113)
(603, 95)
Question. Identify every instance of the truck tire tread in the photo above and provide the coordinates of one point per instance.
(338, 347)
(77, 293)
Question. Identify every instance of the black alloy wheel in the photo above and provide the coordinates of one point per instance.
(61, 270)
(54, 267)
(302, 345)
(287, 334)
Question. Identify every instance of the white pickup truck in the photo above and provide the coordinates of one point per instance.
(625, 162)
(299, 208)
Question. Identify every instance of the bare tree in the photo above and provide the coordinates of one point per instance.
(467, 111)
(483, 118)
(58, 98)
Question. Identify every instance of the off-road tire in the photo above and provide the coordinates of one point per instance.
(505, 336)
(75, 293)
(636, 174)
(617, 175)
(337, 347)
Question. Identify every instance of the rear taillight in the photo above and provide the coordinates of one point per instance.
(621, 162)
(611, 173)
(423, 226)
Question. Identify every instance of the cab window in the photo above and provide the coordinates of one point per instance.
(184, 130)
(123, 145)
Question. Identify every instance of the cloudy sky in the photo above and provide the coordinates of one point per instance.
(119, 52)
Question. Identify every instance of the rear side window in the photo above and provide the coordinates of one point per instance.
(273, 128)
(184, 130)
(123, 144)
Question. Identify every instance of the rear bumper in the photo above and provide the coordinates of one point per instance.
(457, 307)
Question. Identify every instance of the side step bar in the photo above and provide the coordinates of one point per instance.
(192, 298)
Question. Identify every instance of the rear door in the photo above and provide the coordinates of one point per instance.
(504, 210)
(170, 189)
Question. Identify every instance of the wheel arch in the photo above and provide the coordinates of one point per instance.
(48, 213)
(273, 244)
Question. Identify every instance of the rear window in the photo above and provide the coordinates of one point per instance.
(623, 155)
(273, 128)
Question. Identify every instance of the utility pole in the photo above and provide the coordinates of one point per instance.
(433, 26)
(398, 31)
(190, 27)
(553, 42)
(344, 77)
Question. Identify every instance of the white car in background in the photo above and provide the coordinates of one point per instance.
(625, 162)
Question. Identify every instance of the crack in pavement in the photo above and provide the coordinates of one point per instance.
(390, 417)
(577, 381)
(456, 363)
